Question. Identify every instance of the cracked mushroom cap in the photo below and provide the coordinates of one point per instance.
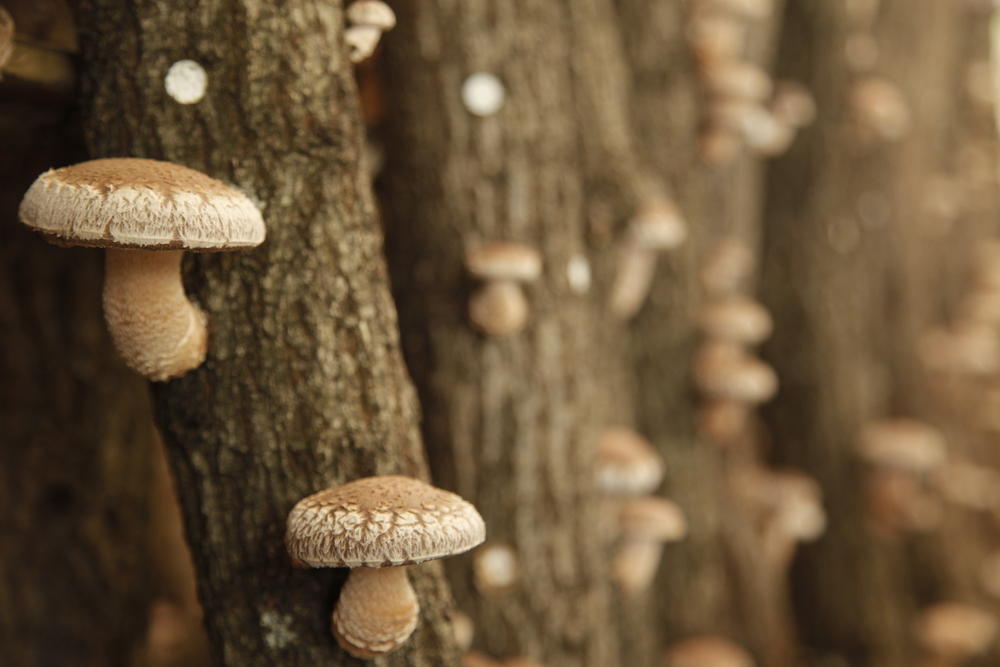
(626, 462)
(381, 521)
(136, 203)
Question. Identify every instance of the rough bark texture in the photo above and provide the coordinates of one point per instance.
(512, 422)
(846, 226)
(76, 435)
(304, 386)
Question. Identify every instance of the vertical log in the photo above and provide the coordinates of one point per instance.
(304, 386)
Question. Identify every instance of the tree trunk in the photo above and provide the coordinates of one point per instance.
(304, 386)
(847, 224)
(76, 437)
(512, 422)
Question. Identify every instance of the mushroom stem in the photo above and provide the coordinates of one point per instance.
(376, 613)
(156, 329)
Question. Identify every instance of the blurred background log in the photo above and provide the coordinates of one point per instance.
(74, 465)
(853, 222)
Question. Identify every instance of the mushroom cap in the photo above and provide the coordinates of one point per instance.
(903, 443)
(737, 78)
(504, 261)
(137, 203)
(499, 308)
(374, 13)
(735, 318)
(707, 652)
(657, 225)
(381, 521)
(721, 371)
(652, 518)
(955, 629)
(626, 462)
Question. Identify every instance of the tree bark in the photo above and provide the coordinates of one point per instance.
(512, 422)
(77, 435)
(304, 386)
(844, 226)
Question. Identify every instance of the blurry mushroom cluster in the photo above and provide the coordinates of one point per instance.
(745, 108)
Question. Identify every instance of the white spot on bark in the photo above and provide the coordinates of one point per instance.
(277, 629)
(483, 94)
(578, 274)
(186, 82)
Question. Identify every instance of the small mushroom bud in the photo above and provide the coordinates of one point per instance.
(880, 109)
(145, 214)
(627, 463)
(504, 261)
(735, 319)
(707, 652)
(499, 308)
(495, 569)
(377, 526)
(633, 280)
(657, 225)
(369, 19)
(954, 632)
(902, 444)
(728, 265)
(966, 348)
(793, 104)
(645, 524)
(737, 79)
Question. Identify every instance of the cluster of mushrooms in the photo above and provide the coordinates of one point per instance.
(745, 108)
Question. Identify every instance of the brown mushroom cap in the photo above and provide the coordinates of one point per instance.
(379, 521)
(504, 261)
(626, 462)
(707, 652)
(499, 308)
(136, 203)
(374, 13)
(735, 318)
(902, 443)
